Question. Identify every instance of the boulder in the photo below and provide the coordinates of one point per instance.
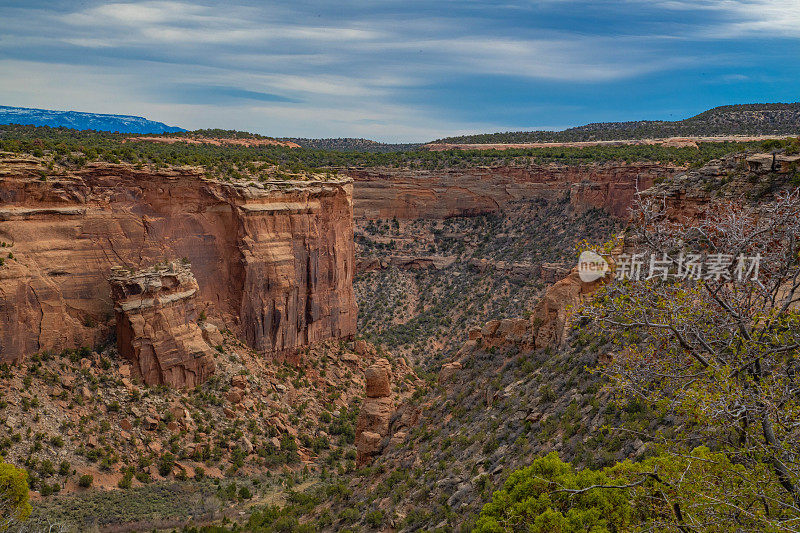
(378, 378)
(448, 371)
(361, 347)
(239, 382)
(150, 423)
(211, 334)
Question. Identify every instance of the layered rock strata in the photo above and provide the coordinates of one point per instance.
(157, 328)
(411, 194)
(273, 260)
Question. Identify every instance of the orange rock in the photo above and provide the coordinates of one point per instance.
(378, 377)
(254, 248)
(361, 347)
(551, 316)
(448, 371)
(211, 334)
(155, 325)
(67, 381)
(150, 423)
(376, 412)
(373, 420)
(382, 193)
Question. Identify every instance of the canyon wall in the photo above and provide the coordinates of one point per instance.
(385, 193)
(273, 261)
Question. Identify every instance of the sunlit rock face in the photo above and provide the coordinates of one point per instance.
(386, 193)
(273, 261)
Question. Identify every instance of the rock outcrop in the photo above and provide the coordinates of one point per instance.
(373, 423)
(449, 371)
(546, 327)
(273, 260)
(551, 316)
(380, 423)
(411, 194)
(156, 325)
(734, 177)
(499, 333)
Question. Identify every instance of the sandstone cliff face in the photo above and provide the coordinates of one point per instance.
(273, 261)
(157, 326)
(411, 194)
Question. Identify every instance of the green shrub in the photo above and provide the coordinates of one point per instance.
(375, 518)
(126, 481)
(165, 464)
(86, 480)
(538, 499)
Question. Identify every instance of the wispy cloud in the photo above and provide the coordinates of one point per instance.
(391, 69)
(744, 18)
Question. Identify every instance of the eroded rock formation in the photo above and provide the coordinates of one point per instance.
(552, 314)
(546, 327)
(380, 423)
(157, 328)
(273, 260)
(373, 421)
(411, 194)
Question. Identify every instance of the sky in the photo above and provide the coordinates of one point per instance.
(397, 71)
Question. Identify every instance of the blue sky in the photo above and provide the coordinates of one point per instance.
(398, 70)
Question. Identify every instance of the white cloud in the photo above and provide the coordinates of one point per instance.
(166, 22)
(67, 87)
(347, 72)
(744, 18)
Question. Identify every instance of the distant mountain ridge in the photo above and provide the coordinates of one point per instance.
(743, 119)
(82, 121)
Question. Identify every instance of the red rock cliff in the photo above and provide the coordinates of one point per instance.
(273, 261)
(410, 194)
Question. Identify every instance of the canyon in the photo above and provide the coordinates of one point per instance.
(410, 330)
(273, 261)
(442, 251)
